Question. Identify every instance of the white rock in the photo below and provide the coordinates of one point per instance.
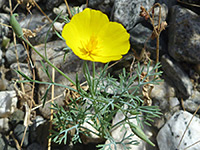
(171, 133)
(8, 103)
(4, 126)
(118, 133)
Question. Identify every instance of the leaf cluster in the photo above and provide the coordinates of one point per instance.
(105, 97)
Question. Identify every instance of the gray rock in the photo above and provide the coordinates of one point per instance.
(33, 128)
(62, 8)
(35, 146)
(127, 12)
(4, 125)
(184, 35)
(4, 18)
(192, 103)
(39, 26)
(1, 57)
(95, 3)
(4, 144)
(168, 3)
(163, 95)
(138, 37)
(103, 5)
(19, 132)
(3, 82)
(173, 102)
(16, 117)
(119, 131)
(2, 2)
(8, 103)
(177, 76)
(11, 56)
(50, 4)
(164, 13)
(24, 68)
(171, 133)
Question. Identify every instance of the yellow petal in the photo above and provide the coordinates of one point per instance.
(114, 40)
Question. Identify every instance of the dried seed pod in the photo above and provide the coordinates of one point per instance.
(16, 26)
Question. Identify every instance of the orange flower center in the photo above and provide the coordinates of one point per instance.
(89, 47)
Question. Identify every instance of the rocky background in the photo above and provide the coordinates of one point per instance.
(178, 96)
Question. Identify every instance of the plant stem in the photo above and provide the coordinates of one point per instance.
(93, 76)
(45, 59)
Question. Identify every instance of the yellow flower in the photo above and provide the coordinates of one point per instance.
(91, 36)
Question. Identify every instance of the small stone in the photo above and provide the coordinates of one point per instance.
(95, 3)
(35, 146)
(173, 102)
(50, 4)
(3, 82)
(4, 144)
(4, 125)
(11, 55)
(19, 133)
(177, 76)
(24, 68)
(192, 103)
(39, 26)
(62, 8)
(164, 13)
(16, 117)
(171, 133)
(184, 35)
(4, 30)
(39, 120)
(168, 3)
(2, 2)
(162, 92)
(58, 26)
(119, 131)
(8, 103)
(1, 57)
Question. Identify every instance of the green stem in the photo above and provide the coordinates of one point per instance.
(45, 59)
(93, 76)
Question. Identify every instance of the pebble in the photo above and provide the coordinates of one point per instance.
(62, 8)
(11, 55)
(4, 144)
(192, 103)
(4, 30)
(3, 81)
(39, 120)
(24, 68)
(16, 117)
(35, 146)
(8, 103)
(171, 133)
(2, 2)
(39, 26)
(50, 4)
(119, 131)
(4, 125)
(19, 133)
